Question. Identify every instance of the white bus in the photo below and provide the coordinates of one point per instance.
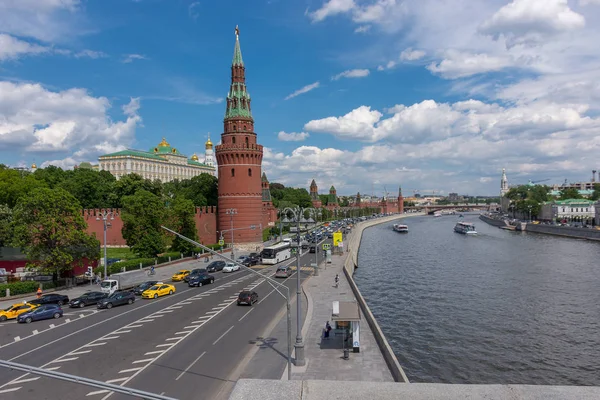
(277, 253)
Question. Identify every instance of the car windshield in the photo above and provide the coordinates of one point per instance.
(244, 294)
(105, 285)
(182, 271)
(10, 308)
(155, 287)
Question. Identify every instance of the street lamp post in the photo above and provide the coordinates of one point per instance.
(104, 214)
(298, 213)
(529, 207)
(314, 215)
(231, 212)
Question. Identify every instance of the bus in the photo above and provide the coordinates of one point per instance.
(277, 253)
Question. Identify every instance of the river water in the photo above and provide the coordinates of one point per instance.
(500, 307)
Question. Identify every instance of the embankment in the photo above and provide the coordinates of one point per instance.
(492, 221)
(566, 231)
(349, 266)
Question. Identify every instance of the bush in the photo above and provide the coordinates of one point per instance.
(18, 288)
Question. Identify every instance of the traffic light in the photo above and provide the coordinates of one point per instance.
(89, 271)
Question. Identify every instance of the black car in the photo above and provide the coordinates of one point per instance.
(252, 259)
(313, 249)
(87, 299)
(215, 266)
(247, 297)
(139, 289)
(117, 299)
(194, 272)
(201, 279)
(51, 298)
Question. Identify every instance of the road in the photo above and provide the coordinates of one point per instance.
(193, 342)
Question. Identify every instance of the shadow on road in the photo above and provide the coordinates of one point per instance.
(267, 343)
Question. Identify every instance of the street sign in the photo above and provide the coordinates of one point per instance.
(221, 242)
(337, 238)
(326, 246)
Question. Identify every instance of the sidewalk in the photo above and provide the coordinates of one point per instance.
(325, 357)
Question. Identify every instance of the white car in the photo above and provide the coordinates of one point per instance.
(231, 267)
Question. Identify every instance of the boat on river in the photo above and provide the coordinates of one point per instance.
(466, 228)
(437, 214)
(400, 228)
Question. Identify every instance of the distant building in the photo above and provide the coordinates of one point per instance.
(454, 197)
(597, 212)
(162, 162)
(571, 210)
(503, 183)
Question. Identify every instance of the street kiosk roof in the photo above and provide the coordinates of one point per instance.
(345, 311)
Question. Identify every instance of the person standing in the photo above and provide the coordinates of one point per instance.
(327, 330)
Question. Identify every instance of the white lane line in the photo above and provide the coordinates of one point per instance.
(174, 307)
(165, 345)
(164, 311)
(204, 316)
(80, 352)
(221, 337)
(182, 333)
(173, 338)
(133, 326)
(35, 378)
(35, 332)
(97, 392)
(129, 370)
(154, 352)
(143, 321)
(213, 312)
(243, 316)
(81, 315)
(190, 327)
(53, 368)
(63, 360)
(143, 361)
(51, 326)
(190, 366)
(17, 338)
(223, 304)
(185, 302)
(110, 337)
(10, 390)
(67, 320)
(117, 380)
(95, 344)
(217, 308)
(121, 332)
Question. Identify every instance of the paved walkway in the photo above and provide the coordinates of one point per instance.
(325, 357)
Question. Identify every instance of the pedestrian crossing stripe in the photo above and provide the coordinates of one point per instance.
(302, 268)
(260, 266)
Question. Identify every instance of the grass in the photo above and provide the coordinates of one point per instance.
(122, 253)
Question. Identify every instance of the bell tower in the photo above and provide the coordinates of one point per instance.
(239, 159)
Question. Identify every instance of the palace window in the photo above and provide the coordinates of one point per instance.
(232, 172)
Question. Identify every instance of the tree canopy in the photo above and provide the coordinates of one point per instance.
(286, 196)
(143, 214)
(526, 198)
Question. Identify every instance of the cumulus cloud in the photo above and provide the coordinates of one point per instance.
(411, 55)
(70, 125)
(12, 48)
(330, 8)
(351, 73)
(457, 64)
(363, 29)
(303, 90)
(292, 136)
(193, 10)
(129, 58)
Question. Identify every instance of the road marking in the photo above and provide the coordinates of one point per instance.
(142, 361)
(67, 321)
(155, 315)
(217, 308)
(204, 316)
(190, 366)
(35, 378)
(165, 345)
(182, 332)
(223, 304)
(133, 326)
(51, 326)
(164, 311)
(35, 332)
(154, 352)
(53, 368)
(117, 380)
(17, 338)
(130, 370)
(197, 322)
(97, 392)
(110, 337)
(189, 327)
(95, 344)
(174, 338)
(174, 307)
(221, 337)
(120, 332)
(243, 316)
(63, 360)
(185, 302)
(10, 390)
(81, 315)
(80, 352)
(143, 321)
(213, 312)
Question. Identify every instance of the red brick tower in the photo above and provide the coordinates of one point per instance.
(239, 158)
(400, 201)
(314, 195)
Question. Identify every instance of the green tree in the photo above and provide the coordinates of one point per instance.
(596, 193)
(130, 184)
(51, 176)
(570, 193)
(201, 190)
(182, 221)
(49, 228)
(15, 185)
(91, 188)
(143, 214)
(6, 231)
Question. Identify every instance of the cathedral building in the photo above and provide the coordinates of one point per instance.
(162, 162)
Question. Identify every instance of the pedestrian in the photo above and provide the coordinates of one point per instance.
(337, 280)
(327, 330)
(39, 292)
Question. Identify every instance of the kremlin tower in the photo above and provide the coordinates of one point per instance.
(209, 158)
(239, 159)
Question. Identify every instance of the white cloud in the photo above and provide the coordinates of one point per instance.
(292, 136)
(129, 58)
(12, 48)
(90, 54)
(193, 10)
(458, 64)
(303, 90)
(330, 8)
(69, 124)
(351, 73)
(587, 2)
(411, 55)
(363, 29)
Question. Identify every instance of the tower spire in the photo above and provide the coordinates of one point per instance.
(237, 51)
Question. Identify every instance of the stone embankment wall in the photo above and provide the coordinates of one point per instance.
(492, 221)
(352, 247)
(567, 231)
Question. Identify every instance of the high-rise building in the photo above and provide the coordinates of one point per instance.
(503, 183)
(239, 159)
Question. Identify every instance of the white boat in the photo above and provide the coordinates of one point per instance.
(465, 228)
(400, 228)
(437, 214)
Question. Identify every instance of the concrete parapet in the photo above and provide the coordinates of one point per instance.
(567, 231)
(262, 389)
(493, 221)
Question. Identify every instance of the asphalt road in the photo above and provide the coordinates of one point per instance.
(192, 344)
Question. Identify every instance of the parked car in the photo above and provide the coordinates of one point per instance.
(117, 299)
(51, 298)
(216, 266)
(46, 311)
(283, 272)
(15, 310)
(87, 299)
(231, 267)
(201, 279)
(247, 297)
(196, 271)
(139, 289)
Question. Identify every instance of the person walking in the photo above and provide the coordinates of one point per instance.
(39, 292)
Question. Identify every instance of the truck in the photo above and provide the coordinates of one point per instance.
(123, 281)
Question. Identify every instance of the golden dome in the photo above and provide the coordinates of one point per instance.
(208, 144)
(164, 143)
(33, 166)
(194, 157)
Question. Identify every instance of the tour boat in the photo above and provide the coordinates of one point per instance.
(465, 228)
(401, 228)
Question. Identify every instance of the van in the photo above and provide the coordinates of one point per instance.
(283, 272)
(287, 240)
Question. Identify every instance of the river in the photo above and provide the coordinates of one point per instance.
(500, 307)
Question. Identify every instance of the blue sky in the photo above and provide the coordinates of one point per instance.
(429, 94)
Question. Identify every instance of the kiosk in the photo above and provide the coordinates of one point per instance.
(346, 316)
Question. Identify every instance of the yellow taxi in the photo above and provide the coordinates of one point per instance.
(15, 310)
(160, 289)
(178, 277)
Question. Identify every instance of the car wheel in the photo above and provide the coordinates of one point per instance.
(130, 301)
(28, 320)
(60, 303)
(56, 315)
(3, 318)
(109, 305)
(170, 292)
(155, 296)
(81, 305)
